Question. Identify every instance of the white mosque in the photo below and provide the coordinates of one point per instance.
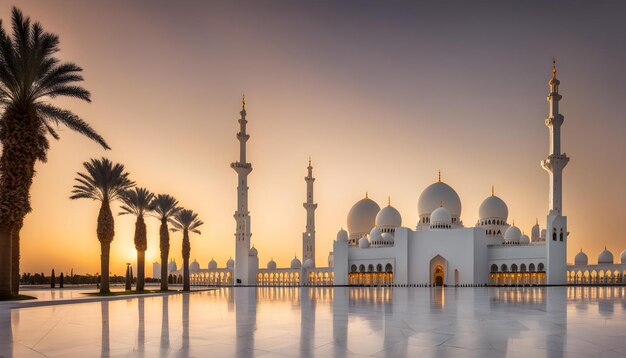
(440, 250)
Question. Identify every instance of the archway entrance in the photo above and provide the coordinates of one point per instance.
(438, 271)
(439, 275)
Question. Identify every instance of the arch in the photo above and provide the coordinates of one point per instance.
(361, 268)
(504, 268)
(353, 268)
(494, 268)
(522, 267)
(388, 268)
(553, 234)
(438, 270)
(379, 268)
(540, 267)
(370, 268)
(561, 235)
(513, 268)
(531, 267)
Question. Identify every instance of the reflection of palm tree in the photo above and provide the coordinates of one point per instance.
(31, 76)
(104, 182)
(164, 206)
(141, 328)
(165, 329)
(185, 346)
(186, 221)
(137, 202)
(104, 309)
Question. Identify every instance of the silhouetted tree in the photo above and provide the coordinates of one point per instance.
(138, 202)
(164, 207)
(128, 285)
(104, 182)
(52, 280)
(186, 221)
(30, 77)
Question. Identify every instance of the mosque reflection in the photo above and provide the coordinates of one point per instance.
(393, 319)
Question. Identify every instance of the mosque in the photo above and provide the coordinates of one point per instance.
(440, 250)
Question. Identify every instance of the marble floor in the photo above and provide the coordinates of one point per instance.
(327, 322)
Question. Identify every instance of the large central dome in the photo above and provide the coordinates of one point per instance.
(437, 194)
(362, 217)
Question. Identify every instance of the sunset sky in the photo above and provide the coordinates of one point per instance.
(380, 94)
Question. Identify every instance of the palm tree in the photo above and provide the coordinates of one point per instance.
(186, 221)
(104, 182)
(164, 206)
(137, 202)
(30, 76)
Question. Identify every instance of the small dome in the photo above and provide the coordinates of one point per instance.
(434, 195)
(253, 252)
(440, 216)
(605, 257)
(376, 235)
(362, 217)
(622, 257)
(342, 235)
(212, 264)
(387, 238)
(512, 235)
(524, 240)
(388, 217)
(194, 266)
(171, 266)
(230, 263)
(493, 208)
(581, 258)
(308, 264)
(364, 243)
(271, 265)
(295, 263)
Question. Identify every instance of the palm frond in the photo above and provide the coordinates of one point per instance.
(186, 220)
(102, 181)
(164, 206)
(69, 119)
(137, 201)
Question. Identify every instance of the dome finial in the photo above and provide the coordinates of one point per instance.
(440, 175)
(537, 222)
(366, 195)
(441, 204)
(243, 102)
(513, 222)
(553, 68)
(309, 160)
(389, 200)
(492, 190)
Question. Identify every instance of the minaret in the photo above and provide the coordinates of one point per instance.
(308, 237)
(242, 215)
(556, 161)
(556, 227)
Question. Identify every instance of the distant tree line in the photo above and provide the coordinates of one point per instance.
(28, 278)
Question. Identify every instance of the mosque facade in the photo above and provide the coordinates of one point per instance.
(376, 249)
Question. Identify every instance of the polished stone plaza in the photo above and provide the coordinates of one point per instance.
(324, 322)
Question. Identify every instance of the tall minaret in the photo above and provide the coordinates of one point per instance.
(308, 237)
(242, 215)
(556, 227)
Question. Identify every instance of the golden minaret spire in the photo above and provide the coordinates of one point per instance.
(243, 102)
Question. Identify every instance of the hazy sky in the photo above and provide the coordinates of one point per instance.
(380, 94)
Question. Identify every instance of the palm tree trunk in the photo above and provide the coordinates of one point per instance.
(106, 232)
(164, 236)
(141, 244)
(141, 263)
(186, 252)
(15, 264)
(17, 165)
(105, 250)
(5, 263)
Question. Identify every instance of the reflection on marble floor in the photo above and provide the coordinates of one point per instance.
(323, 322)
